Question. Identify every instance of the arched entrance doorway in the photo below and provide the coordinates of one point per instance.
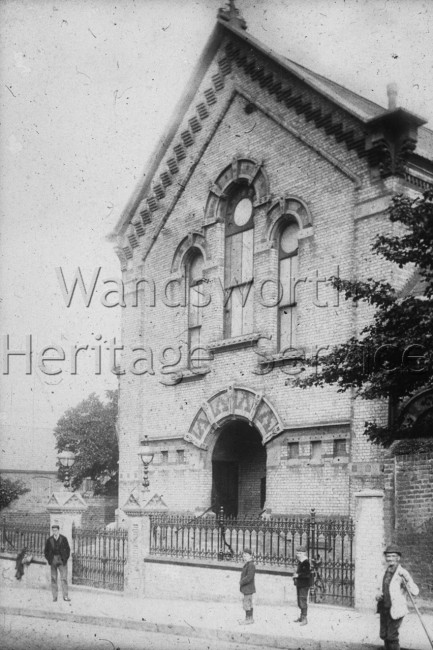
(239, 470)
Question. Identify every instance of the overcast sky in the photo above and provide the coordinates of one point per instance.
(87, 87)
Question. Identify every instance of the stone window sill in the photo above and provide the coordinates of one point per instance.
(247, 340)
(280, 358)
(341, 460)
(190, 374)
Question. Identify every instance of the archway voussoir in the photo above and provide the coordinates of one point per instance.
(234, 402)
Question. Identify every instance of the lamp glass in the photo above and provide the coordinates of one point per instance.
(66, 458)
(146, 457)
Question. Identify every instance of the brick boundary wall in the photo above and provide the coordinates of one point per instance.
(31, 518)
(101, 511)
(408, 511)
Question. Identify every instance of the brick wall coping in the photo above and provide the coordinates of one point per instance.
(37, 559)
(49, 473)
(425, 455)
(226, 566)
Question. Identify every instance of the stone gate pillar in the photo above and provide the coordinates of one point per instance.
(369, 546)
(138, 512)
(66, 509)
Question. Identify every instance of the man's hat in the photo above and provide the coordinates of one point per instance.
(247, 550)
(55, 526)
(301, 549)
(392, 548)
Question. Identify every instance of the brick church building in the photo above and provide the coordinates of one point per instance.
(268, 180)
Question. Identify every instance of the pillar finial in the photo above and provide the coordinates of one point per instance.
(231, 14)
(392, 92)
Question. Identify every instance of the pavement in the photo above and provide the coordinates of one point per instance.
(329, 627)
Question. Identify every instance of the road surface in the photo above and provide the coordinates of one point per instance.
(28, 633)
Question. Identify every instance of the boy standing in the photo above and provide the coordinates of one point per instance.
(302, 579)
(247, 586)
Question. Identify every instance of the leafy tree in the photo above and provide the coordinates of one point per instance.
(89, 430)
(10, 491)
(393, 356)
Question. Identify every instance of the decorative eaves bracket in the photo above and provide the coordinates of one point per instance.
(392, 138)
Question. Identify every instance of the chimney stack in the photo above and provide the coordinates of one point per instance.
(392, 91)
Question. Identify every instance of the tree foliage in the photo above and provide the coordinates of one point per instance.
(10, 491)
(393, 356)
(89, 430)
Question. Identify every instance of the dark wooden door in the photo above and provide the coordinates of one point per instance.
(225, 487)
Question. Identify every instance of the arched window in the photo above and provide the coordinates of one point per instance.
(238, 269)
(194, 274)
(288, 273)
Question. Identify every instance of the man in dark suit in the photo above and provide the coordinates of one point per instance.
(57, 554)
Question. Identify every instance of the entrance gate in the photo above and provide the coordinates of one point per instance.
(330, 549)
(99, 557)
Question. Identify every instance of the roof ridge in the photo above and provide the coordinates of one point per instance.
(312, 79)
(347, 90)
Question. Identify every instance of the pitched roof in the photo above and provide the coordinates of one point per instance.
(361, 108)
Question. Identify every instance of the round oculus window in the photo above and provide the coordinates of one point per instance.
(289, 238)
(243, 212)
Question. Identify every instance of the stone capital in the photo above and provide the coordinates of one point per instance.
(66, 502)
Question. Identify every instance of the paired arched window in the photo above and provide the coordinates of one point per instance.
(240, 188)
(287, 275)
(238, 268)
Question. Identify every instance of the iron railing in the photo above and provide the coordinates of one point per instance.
(330, 548)
(19, 536)
(273, 542)
(99, 557)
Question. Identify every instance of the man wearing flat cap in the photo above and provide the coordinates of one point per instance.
(57, 554)
(392, 605)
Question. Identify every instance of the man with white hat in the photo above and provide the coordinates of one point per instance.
(392, 605)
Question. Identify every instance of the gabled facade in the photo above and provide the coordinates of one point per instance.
(269, 180)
